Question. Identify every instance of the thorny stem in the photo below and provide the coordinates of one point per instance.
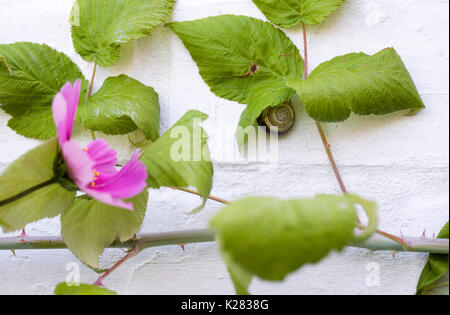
(91, 85)
(142, 242)
(399, 240)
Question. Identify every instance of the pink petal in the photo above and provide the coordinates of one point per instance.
(128, 182)
(79, 165)
(93, 169)
(104, 157)
(108, 199)
(59, 109)
(72, 96)
(81, 169)
(64, 109)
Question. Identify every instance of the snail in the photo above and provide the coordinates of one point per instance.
(279, 118)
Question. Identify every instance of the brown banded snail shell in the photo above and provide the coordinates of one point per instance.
(279, 118)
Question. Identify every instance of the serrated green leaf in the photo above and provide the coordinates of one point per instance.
(89, 226)
(272, 238)
(289, 13)
(82, 289)
(29, 171)
(121, 106)
(434, 277)
(180, 158)
(359, 83)
(99, 27)
(33, 76)
(243, 59)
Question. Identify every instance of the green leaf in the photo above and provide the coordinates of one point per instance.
(89, 226)
(82, 289)
(272, 238)
(180, 158)
(4, 225)
(240, 277)
(434, 277)
(440, 287)
(289, 13)
(5, 65)
(121, 106)
(27, 173)
(243, 59)
(99, 27)
(378, 84)
(30, 76)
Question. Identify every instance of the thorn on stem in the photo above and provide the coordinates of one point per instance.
(406, 244)
(402, 237)
(22, 236)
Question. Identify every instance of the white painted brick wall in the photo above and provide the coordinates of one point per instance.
(401, 162)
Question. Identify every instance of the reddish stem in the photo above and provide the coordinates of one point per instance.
(130, 255)
(331, 158)
(319, 125)
(198, 194)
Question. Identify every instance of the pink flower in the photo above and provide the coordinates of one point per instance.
(93, 168)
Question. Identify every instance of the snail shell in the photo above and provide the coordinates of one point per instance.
(279, 118)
